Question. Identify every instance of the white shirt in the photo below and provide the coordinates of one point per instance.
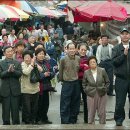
(11, 39)
(94, 73)
(1, 40)
(42, 33)
(125, 46)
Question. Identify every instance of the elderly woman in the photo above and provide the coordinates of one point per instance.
(45, 85)
(95, 84)
(82, 49)
(30, 91)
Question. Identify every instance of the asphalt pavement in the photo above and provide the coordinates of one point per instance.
(54, 115)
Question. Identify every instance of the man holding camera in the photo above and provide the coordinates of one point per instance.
(10, 72)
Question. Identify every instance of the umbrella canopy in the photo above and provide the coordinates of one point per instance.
(6, 13)
(21, 13)
(58, 13)
(45, 11)
(21, 4)
(75, 3)
(26, 6)
(62, 5)
(107, 10)
(80, 18)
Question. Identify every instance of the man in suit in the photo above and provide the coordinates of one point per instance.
(10, 72)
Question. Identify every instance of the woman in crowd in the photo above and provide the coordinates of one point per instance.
(30, 91)
(18, 49)
(25, 33)
(82, 49)
(41, 40)
(45, 86)
(20, 37)
(95, 84)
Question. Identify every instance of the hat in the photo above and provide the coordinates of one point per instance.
(124, 30)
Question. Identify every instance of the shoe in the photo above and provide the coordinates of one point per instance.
(118, 123)
(6, 123)
(85, 121)
(47, 122)
(110, 94)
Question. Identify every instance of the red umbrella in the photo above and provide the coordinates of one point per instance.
(107, 10)
(80, 18)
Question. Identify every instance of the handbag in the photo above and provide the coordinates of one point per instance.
(48, 87)
(35, 75)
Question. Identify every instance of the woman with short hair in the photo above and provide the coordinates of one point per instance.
(95, 84)
(45, 85)
(30, 91)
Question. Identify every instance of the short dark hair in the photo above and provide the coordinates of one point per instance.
(19, 43)
(70, 44)
(39, 50)
(6, 47)
(104, 35)
(4, 36)
(19, 34)
(82, 44)
(12, 29)
(37, 44)
(24, 29)
(92, 57)
(27, 52)
(39, 38)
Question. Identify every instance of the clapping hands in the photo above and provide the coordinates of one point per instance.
(11, 68)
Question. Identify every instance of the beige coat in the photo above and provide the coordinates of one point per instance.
(26, 86)
(101, 84)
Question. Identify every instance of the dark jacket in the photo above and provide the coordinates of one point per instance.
(101, 84)
(10, 82)
(45, 81)
(121, 62)
(57, 42)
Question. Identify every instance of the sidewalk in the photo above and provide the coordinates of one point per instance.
(54, 116)
(54, 110)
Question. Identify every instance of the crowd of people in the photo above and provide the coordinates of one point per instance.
(85, 64)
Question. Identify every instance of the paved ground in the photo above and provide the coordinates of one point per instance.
(54, 110)
(54, 116)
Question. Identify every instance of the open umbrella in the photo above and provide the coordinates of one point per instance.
(21, 13)
(107, 10)
(21, 4)
(45, 11)
(58, 13)
(26, 6)
(72, 4)
(6, 13)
